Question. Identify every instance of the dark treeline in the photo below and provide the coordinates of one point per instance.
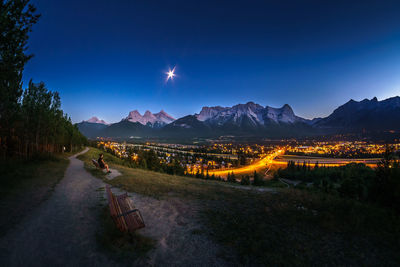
(31, 120)
(358, 181)
(148, 160)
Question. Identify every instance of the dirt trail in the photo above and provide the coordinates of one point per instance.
(62, 230)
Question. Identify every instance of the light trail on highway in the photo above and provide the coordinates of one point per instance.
(326, 162)
(261, 164)
(271, 160)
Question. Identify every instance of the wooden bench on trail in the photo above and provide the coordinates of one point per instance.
(126, 217)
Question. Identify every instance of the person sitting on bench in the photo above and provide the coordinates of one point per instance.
(102, 164)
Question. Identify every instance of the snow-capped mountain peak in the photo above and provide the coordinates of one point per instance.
(164, 117)
(250, 112)
(284, 114)
(94, 119)
(209, 112)
(148, 118)
(134, 116)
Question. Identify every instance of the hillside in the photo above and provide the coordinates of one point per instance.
(372, 115)
(285, 226)
(91, 129)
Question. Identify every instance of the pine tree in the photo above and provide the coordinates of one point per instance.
(257, 180)
(16, 20)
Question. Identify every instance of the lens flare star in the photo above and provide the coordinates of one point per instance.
(170, 74)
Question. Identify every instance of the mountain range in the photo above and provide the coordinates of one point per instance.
(155, 120)
(251, 119)
(364, 115)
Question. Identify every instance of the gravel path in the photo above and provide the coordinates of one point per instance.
(61, 231)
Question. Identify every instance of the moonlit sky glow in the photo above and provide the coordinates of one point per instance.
(107, 58)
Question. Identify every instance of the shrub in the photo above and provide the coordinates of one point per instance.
(245, 180)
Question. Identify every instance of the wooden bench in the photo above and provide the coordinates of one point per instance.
(126, 217)
(95, 163)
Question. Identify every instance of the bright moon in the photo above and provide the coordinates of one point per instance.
(171, 74)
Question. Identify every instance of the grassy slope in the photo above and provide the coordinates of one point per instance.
(25, 184)
(156, 184)
(291, 227)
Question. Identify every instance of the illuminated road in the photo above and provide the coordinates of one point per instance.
(261, 164)
(277, 158)
(328, 162)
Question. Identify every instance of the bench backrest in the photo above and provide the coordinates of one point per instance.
(115, 210)
(132, 217)
(125, 215)
(95, 163)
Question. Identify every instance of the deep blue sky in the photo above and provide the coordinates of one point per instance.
(109, 57)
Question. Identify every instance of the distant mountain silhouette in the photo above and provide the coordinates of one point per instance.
(251, 119)
(126, 129)
(91, 129)
(372, 115)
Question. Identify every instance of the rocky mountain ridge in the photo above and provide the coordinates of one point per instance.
(252, 119)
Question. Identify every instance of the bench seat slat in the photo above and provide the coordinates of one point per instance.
(134, 220)
(124, 213)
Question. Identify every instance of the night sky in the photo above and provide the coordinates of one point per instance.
(109, 57)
